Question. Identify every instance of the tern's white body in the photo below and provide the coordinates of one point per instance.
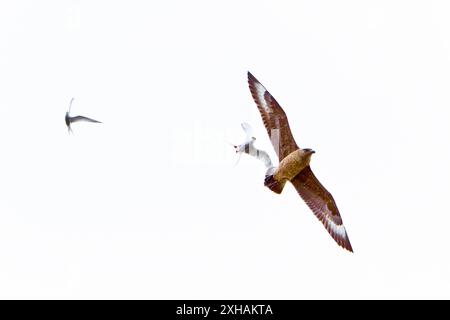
(248, 147)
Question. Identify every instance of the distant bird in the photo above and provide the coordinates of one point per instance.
(70, 120)
(248, 147)
(294, 165)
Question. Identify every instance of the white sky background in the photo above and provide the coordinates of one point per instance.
(150, 205)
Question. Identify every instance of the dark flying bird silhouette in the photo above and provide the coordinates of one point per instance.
(69, 120)
(294, 165)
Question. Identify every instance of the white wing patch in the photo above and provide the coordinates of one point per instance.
(337, 229)
(260, 91)
(333, 228)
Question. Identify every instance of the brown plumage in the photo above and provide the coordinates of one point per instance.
(294, 165)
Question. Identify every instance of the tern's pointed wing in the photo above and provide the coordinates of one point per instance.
(81, 118)
(262, 156)
(248, 131)
(274, 118)
(250, 149)
(321, 202)
(70, 105)
(259, 154)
